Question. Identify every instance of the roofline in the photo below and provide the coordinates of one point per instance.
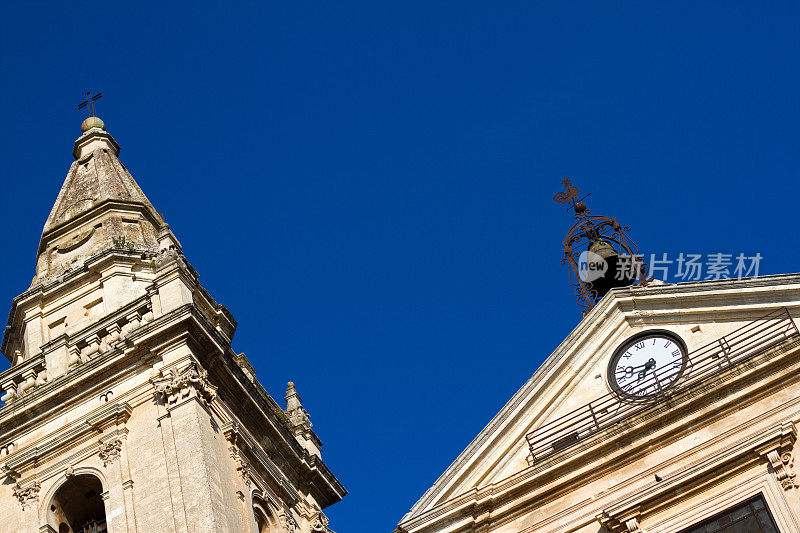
(616, 298)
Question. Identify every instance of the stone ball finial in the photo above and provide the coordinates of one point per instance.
(92, 122)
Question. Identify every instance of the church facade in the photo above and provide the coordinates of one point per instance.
(669, 408)
(125, 408)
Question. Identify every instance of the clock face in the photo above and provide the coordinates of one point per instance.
(647, 364)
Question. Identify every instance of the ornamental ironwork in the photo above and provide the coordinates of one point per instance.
(598, 252)
(704, 363)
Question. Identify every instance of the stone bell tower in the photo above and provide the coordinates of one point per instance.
(125, 408)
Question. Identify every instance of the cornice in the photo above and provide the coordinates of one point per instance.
(51, 289)
(238, 436)
(95, 422)
(777, 437)
(43, 291)
(330, 488)
(97, 210)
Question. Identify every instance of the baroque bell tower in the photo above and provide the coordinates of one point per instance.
(125, 408)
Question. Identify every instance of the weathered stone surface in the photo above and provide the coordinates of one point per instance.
(100, 206)
(123, 370)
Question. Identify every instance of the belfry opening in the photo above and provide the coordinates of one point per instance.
(77, 506)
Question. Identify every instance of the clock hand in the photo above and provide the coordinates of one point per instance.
(651, 363)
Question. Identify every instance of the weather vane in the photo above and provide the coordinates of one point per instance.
(89, 103)
(566, 197)
(598, 251)
(571, 196)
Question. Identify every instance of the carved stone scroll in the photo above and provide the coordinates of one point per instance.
(783, 465)
(242, 466)
(319, 524)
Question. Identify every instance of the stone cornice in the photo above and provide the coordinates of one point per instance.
(55, 390)
(778, 437)
(97, 210)
(95, 422)
(39, 292)
(35, 295)
(93, 135)
(330, 488)
(239, 437)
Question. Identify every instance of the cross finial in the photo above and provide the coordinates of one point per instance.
(89, 103)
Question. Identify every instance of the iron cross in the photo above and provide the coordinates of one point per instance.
(89, 102)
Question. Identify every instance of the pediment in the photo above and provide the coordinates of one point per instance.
(575, 373)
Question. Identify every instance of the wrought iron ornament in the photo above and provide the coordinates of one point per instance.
(594, 243)
(703, 364)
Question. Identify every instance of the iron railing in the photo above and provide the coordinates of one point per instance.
(704, 363)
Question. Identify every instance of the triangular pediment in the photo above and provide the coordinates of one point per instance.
(576, 372)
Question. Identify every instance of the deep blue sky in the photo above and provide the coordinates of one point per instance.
(368, 186)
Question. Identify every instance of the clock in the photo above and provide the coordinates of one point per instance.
(647, 364)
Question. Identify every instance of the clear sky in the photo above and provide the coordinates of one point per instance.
(368, 185)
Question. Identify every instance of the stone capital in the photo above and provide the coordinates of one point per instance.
(192, 381)
(28, 495)
(109, 450)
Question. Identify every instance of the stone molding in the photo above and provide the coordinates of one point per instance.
(192, 381)
(633, 525)
(242, 466)
(618, 516)
(104, 418)
(241, 441)
(563, 467)
(28, 495)
(621, 525)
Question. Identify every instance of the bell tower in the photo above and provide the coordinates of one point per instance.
(126, 408)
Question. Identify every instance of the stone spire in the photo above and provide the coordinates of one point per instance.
(300, 422)
(100, 206)
(297, 415)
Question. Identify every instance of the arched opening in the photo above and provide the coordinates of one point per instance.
(261, 521)
(77, 506)
(265, 522)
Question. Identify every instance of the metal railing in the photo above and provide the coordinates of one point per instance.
(703, 363)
